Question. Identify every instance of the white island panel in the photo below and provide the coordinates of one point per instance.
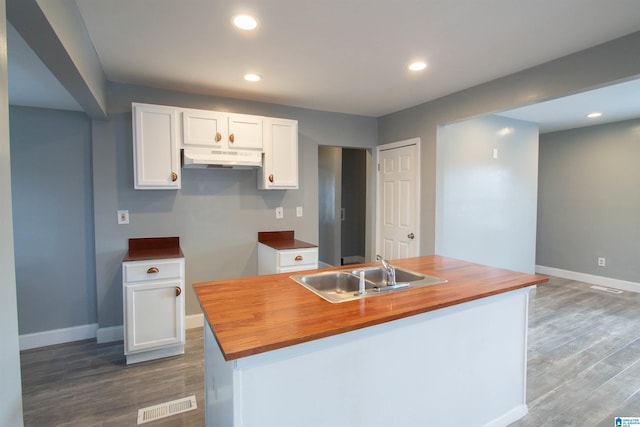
(464, 364)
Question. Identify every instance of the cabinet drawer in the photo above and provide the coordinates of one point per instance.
(298, 257)
(138, 271)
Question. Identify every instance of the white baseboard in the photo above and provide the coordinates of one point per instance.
(57, 336)
(110, 334)
(589, 278)
(85, 332)
(194, 321)
(512, 416)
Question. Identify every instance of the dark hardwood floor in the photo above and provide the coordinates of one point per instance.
(584, 369)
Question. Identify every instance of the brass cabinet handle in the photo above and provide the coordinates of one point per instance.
(178, 291)
(218, 136)
(232, 138)
(174, 176)
(298, 258)
(153, 270)
(271, 178)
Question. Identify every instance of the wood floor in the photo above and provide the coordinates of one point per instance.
(584, 369)
(85, 384)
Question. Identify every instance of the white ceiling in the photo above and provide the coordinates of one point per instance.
(340, 55)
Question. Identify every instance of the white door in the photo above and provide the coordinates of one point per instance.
(155, 312)
(398, 199)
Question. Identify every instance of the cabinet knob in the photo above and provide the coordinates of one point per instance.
(178, 291)
(298, 258)
(174, 176)
(271, 178)
(232, 138)
(153, 270)
(218, 136)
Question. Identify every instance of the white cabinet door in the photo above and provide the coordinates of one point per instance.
(155, 315)
(204, 128)
(156, 155)
(280, 165)
(201, 128)
(245, 131)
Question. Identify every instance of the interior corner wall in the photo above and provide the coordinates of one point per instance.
(51, 178)
(589, 202)
(218, 212)
(486, 197)
(11, 389)
(329, 197)
(598, 66)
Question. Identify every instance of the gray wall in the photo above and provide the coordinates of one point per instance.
(329, 195)
(589, 200)
(51, 179)
(486, 205)
(217, 213)
(594, 67)
(354, 192)
(11, 389)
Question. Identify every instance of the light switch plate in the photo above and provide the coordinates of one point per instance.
(299, 211)
(123, 217)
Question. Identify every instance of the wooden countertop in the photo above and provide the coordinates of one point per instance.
(145, 248)
(282, 240)
(253, 315)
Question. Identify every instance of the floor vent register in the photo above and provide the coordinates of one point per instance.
(167, 409)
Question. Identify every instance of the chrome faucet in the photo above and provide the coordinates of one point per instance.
(389, 269)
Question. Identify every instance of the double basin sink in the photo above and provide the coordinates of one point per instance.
(344, 285)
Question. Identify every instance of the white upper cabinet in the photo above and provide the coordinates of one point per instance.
(156, 152)
(280, 164)
(245, 131)
(201, 128)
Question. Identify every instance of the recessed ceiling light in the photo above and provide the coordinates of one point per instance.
(252, 77)
(245, 22)
(594, 115)
(417, 66)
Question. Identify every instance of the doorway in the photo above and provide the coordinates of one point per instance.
(398, 213)
(342, 198)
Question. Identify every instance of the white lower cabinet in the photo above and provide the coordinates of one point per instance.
(153, 308)
(271, 261)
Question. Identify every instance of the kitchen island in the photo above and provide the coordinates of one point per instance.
(276, 354)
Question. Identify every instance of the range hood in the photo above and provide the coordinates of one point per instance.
(208, 158)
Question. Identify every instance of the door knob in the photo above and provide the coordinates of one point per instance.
(411, 236)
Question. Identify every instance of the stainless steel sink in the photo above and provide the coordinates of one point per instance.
(343, 285)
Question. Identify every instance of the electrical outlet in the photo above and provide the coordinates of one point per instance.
(299, 211)
(602, 262)
(123, 217)
(279, 212)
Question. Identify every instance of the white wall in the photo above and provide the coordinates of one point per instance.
(486, 206)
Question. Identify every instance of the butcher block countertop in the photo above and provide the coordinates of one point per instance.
(252, 315)
(145, 248)
(282, 240)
